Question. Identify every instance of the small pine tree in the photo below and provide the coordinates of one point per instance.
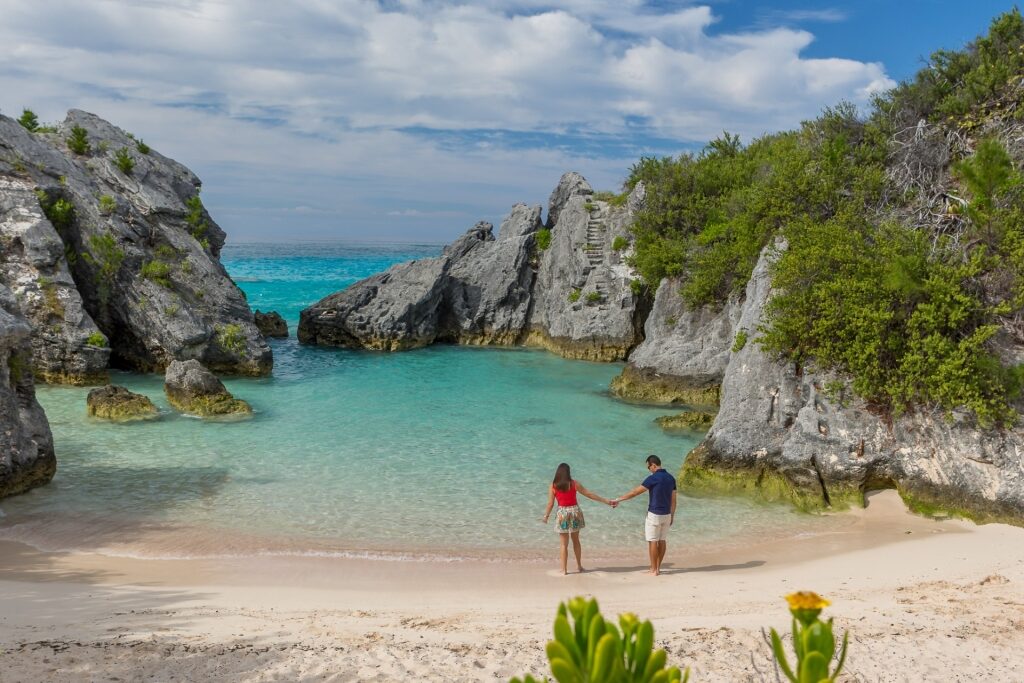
(78, 141)
(29, 120)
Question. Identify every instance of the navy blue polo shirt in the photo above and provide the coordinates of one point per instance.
(660, 486)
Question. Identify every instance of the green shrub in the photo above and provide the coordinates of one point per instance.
(593, 650)
(637, 286)
(593, 297)
(619, 243)
(575, 295)
(123, 160)
(231, 338)
(612, 198)
(78, 141)
(106, 258)
(166, 252)
(195, 219)
(172, 310)
(96, 339)
(543, 238)
(588, 206)
(740, 341)
(157, 271)
(60, 213)
(107, 205)
(142, 147)
(29, 120)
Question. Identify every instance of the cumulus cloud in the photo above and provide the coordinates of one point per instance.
(342, 95)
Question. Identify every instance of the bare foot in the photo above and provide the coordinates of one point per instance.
(580, 569)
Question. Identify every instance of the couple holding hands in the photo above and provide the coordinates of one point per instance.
(661, 510)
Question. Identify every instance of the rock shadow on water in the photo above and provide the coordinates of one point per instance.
(537, 422)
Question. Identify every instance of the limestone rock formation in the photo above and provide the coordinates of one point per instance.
(191, 388)
(137, 243)
(574, 297)
(26, 446)
(391, 311)
(584, 305)
(271, 324)
(487, 298)
(780, 434)
(683, 356)
(67, 347)
(116, 403)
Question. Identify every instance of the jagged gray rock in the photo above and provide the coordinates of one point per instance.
(583, 300)
(477, 292)
(192, 388)
(67, 347)
(27, 458)
(392, 311)
(570, 185)
(487, 298)
(781, 433)
(116, 403)
(141, 249)
(271, 324)
(684, 354)
(575, 297)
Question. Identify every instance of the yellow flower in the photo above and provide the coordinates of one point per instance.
(808, 600)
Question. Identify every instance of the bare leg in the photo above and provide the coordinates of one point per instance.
(564, 538)
(662, 547)
(577, 549)
(652, 551)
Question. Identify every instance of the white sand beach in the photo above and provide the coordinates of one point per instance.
(923, 600)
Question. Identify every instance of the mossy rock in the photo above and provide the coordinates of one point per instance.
(120, 405)
(643, 385)
(192, 388)
(698, 477)
(210, 405)
(689, 421)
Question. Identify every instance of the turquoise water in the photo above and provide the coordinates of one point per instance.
(444, 452)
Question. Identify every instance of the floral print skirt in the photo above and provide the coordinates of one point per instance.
(569, 519)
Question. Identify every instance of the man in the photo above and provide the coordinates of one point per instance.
(661, 510)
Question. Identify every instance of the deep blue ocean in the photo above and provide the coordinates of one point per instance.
(445, 452)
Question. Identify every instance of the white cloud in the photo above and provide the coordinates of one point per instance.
(294, 94)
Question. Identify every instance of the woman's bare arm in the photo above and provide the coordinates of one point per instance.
(591, 495)
(551, 503)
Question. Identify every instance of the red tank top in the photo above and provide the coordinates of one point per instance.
(566, 498)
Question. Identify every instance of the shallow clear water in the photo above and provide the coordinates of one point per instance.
(440, 452)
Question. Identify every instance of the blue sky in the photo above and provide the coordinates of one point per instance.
(409, 120)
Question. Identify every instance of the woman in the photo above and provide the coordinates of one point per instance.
(569, 518)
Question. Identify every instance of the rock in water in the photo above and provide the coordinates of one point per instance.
(573, 297)
(271, 324)
(583, 304)
(27, 459)
(683, 356)
(117, 403)
(136, 241)
(191, 388)
(692, 421)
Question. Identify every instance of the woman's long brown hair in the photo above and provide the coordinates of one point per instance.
(563, 478)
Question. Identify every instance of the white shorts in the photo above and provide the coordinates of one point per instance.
(656, 526)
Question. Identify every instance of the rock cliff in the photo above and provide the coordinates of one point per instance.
(106, 243)
(784, 432)
(683, 357)
(26, 445)
(569, 292)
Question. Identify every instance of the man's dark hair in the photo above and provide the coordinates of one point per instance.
(653, 460)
